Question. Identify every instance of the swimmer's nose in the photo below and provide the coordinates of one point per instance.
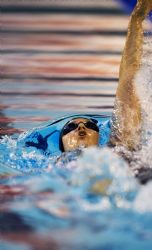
(81, 126)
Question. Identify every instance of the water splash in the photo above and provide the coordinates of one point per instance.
(144, 90)
(90, 192)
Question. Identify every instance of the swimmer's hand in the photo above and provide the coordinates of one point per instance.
(143, 7)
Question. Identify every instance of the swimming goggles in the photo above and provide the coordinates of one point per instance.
(72, 126)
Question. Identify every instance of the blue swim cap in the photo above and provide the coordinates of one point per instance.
(47, 138)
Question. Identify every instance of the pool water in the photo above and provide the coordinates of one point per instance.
(86, 200)
(56, 65)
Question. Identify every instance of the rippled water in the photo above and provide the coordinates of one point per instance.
(84, 200)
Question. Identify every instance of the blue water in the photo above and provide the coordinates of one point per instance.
(83, 200)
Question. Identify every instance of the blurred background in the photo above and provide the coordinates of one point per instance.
(59, 57)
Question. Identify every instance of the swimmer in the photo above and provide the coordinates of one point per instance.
(127, 118)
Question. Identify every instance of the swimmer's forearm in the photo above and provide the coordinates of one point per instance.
(132, 53)
(131, 58)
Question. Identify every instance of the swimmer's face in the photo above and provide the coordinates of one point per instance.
(80, 133)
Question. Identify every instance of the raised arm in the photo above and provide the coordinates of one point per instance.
(126, 121)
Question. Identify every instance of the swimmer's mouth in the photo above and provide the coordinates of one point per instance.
(82, 133)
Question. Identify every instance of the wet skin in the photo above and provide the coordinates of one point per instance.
(80, 137)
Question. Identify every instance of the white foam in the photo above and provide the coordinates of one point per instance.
(143, 201)
(143, 83)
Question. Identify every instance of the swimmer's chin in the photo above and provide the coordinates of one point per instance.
(82, 145)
